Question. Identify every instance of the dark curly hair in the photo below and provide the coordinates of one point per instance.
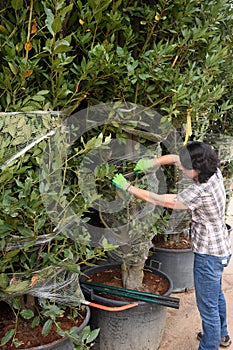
(199, 156)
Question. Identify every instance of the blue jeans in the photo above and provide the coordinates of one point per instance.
(210, 299)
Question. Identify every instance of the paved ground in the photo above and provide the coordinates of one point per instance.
(183, 325)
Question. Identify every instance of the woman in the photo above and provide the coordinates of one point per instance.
(205, 200)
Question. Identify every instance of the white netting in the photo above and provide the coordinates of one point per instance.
(62, 287)
(20, 131)
(53, 283)
(58, 164)
(20, 134)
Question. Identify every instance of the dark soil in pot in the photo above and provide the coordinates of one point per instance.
(32, 337)
(172, 241)
(152, 283)
(176, 240)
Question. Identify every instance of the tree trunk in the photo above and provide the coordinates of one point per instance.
(30, 302)
(132, 276)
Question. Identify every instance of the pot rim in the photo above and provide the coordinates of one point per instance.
(93, 296)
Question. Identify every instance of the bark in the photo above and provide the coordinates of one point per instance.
(132, 276)
(30, 302)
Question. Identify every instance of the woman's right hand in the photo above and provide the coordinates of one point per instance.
(143, 165)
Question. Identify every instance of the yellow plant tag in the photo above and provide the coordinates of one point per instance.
(188, 126)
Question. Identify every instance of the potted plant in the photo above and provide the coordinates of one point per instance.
(40, 263)
(35, 68)
(125, 267)
(172, 251)
(125, 222)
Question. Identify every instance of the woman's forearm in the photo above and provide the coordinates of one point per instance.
(163, 200)
(167, 160)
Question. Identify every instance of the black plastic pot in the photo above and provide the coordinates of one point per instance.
(64, 343)
(139, 328)
(177, 264)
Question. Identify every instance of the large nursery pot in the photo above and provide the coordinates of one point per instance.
(177, 264)
(174, 257)
(138, 328)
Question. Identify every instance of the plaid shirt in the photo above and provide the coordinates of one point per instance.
(206, 203)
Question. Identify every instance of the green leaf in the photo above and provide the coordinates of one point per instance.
(27, 314)
(93, 335)
(68, 254)
(4, 280)
(144, 76)
(36, 322)
(17, 342)
(17, 4)
(4, 228)
(94, 142)
(92, 4)
(62, 42)
(8, 99)
(18, 288)
(61, 49)
(47, 327)
(13, 68)
(57, 25)
(66, 9)
(28, 108)
(11, 254)
(49, 20)
(24, 231)
(43, 92)
(88, 335)
(7, 336)
(38, 98)
(16, 303)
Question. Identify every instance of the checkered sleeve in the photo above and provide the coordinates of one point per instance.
(189, 197)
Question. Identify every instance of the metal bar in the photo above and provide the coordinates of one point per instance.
(137, 297)
(147, 297)
(152, 295)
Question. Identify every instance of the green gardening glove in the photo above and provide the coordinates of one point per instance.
(120, 181)
(143, 165)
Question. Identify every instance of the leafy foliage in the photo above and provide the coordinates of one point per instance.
(175, 56)
(171, 55)
(32, 251)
